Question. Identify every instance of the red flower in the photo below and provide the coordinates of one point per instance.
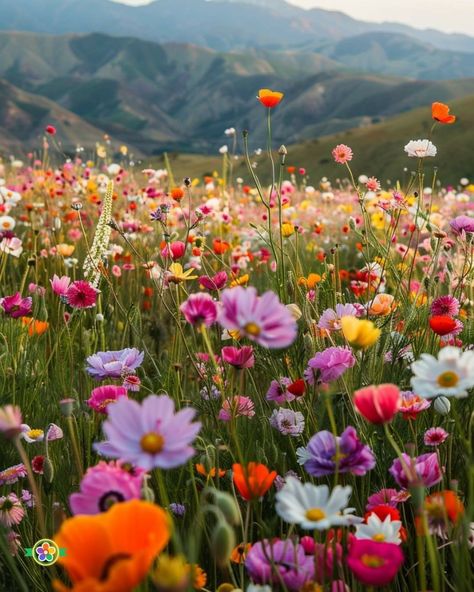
(50, 129)
(297, 388)
(252, 481)
(269, 98)
(442, 324)
(378, 404)
(440, 113)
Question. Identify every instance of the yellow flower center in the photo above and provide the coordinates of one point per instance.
(448, 379)
(372, 560)
(34, 434)
(252, 329)
(338, 457)
(315, 514)
(152, 443)
(379, 537)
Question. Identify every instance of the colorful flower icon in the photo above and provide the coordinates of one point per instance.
(46, 552)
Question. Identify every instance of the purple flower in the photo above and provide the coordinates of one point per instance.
(199, 309)
(287, 422)
(114, 364)
(331, 319)
(263, 319)
(424, 470)
(329, 365)
(178, 510)
(280, 480)
(240, 358)
(15, 306)
(269, 562)
(149, 434)
(104, 485)
(435, 436)
(278, 391)
(324, 450)
(445, 306)
(462, 223)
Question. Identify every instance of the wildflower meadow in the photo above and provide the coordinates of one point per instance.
(236, 384)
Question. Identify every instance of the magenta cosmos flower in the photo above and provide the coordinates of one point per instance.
(372, 563)
(60, 285)
(104, 485)
(323, 450)
(272, 562)
(262, 319)
(239, 357)
(329, 365)
(217, 282)
(15, 306)
(149, 434)
(462, 223)
(424, 470)
(81, 294)
(199, 309)
(104, 395)
(114, 364)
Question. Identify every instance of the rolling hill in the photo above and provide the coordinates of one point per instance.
(182, 97)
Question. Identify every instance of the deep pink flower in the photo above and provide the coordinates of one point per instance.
(216, 282)
(445, 306)
(329, 365)
(423, 470)
(342, 154)
(104, 485)
(435, 436)
(81, 294)
(462, 224)
(60, 285)
(372, 184)
(103, 395)
(378, 404)
(174, 250)
(199, 309)
(239, 357)
(15, 306)
(372, 563)
(412, 404)
(278, 391)
(260, 318)
(388, 497)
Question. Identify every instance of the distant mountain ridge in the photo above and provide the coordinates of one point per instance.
(182, 97)
(218, 24)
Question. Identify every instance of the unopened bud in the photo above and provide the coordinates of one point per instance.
(222, 542)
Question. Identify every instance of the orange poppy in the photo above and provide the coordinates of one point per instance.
(239, 553)
(177, 193)
(220, 246)
(440, 113)
(269, 98)
(112, 551)
(35, 327)
(201, 469)
(252, 481)
(199, 577)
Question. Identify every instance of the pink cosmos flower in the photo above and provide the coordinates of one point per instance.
(15, 306)
(329, 365)
(216, 282)
(331, 319)
(81, 294)
(60, 285)
(103, 395)
(104, 485)
(342, 154)
(149, 434)
(262, 319)
(236, 407)
(240, 358)
(372, 563)
(199, 309)
(435, 436)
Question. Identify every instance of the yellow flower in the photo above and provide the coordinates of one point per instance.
(382, 305)
(310, 282)
(287, 229)
(240, 281)
(172, 573)
(178, 275)
(65, 250)
(378, 220)
(359, 333)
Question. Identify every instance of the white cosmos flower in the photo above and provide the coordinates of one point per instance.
(387, 531)
(6, 223)
(451, 374)
(420, 148)
(313, 507)
(11, 246)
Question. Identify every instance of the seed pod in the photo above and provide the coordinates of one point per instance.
(227, 505)
(48, 470)
(222, 542)
(442, 405)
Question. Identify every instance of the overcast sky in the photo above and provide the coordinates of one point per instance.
(452, 16)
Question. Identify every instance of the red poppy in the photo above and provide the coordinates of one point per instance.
(220, 246)
(297, 388)
(269, 98)
(440, 113)
(50, 129)
(442, 324)
(253, 480)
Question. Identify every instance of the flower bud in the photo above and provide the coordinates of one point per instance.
(442, 405)
(67, 406)
(227, 505)
(48, 470)
(222, 542)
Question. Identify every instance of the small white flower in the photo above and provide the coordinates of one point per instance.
(302, 455)
(230, 131)
(387, 531)
(420, 148)
(224, 149)
(7, 223)
(113, 169)
(451, 374)
(312, 507)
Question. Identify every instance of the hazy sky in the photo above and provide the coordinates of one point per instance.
(452, 16)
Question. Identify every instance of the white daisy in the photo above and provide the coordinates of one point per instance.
(420, 148)
(386, 531)
(451, 374)
(312, 507)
